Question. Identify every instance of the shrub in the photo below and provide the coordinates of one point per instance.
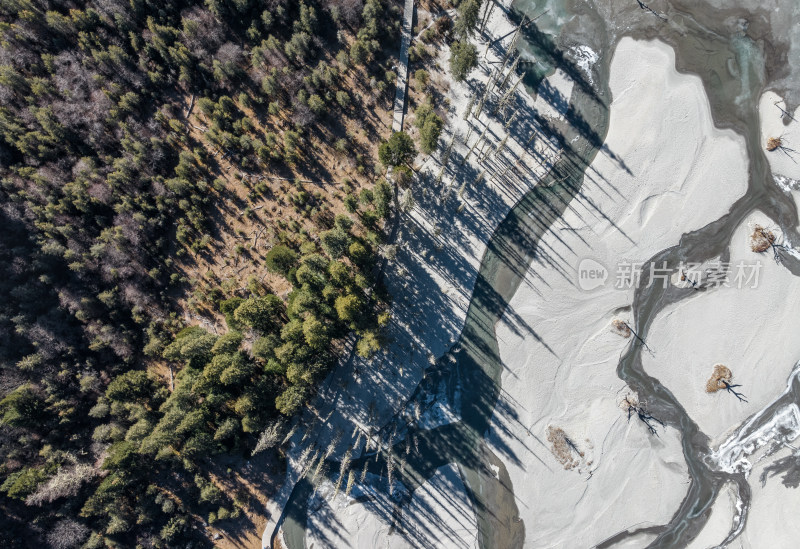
(397, 150)
(261, 313)
(430, 127)
(421, 78)
(463, 58)
(343, 99)
(291, 400)
(280, 259)
(335, 242)
(383, 198)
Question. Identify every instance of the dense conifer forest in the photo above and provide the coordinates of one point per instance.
(127, 128)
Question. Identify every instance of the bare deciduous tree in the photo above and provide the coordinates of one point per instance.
(66, 483)
(67, 534)
(632, 406)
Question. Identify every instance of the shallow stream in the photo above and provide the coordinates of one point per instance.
(734, 53)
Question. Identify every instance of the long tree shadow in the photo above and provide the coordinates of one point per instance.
(472, 368)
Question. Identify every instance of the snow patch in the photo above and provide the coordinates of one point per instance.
(732, 456)
(787, 184)
(585, 58)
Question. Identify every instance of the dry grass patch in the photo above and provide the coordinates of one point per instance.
(563, 448)
(761, 239)
(721, 374)
(620, 327)
(774, 143)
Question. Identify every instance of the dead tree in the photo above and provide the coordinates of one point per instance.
(572, 445)
(468, 110)
(730, 388)
(691, 281)
(189, 110)
(500, 146)
(446, 158)
(464, 160)
(487, 13)
(784, 112)
(645, 7)
(510, 120)
(510, 93)
(763, 239)
(776, 143)
(643, 415)
(511, 71)
(638, 337)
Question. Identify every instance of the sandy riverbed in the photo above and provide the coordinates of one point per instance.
(690, 337)
(440, 243)
(774, 504)
(667, 170)
(784, 161)
(439, 516)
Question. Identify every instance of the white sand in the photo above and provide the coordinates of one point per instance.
(689, 338)
(785, 166)
(723, 513)
(440, 244)
(439, 253)
(762, 453)
(773, 511)
(675, 173)
(440, 516)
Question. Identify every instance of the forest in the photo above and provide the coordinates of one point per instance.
(125, 126)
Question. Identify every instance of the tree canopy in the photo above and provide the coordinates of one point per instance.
(142, 334)
(399, 149)
(463, 59)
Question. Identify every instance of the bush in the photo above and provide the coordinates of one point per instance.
(291, 400)
(315, 333)
(227, 308)
(398, 150)
(430, 127)
(22, 407)
(368, 344)
(344, 222)
(261, 313)
(463, 58)
(130, 387)
(359, 53)
(350, 203)
(227, 343)
(383, 198)
(358, 253)
(343, 99)
(366, 196)
(421, 78)
(335, 242)
(468, 12)
(280, 259)
(316, 104)
(348, 307)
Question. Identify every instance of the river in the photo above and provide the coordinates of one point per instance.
(705, 47)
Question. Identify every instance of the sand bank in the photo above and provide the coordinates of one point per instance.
(784, 162)
(441, 239)
(665, 170)
(764, 448)
(690, 337)
(439, 516)
(723, 513)
(773, 506)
